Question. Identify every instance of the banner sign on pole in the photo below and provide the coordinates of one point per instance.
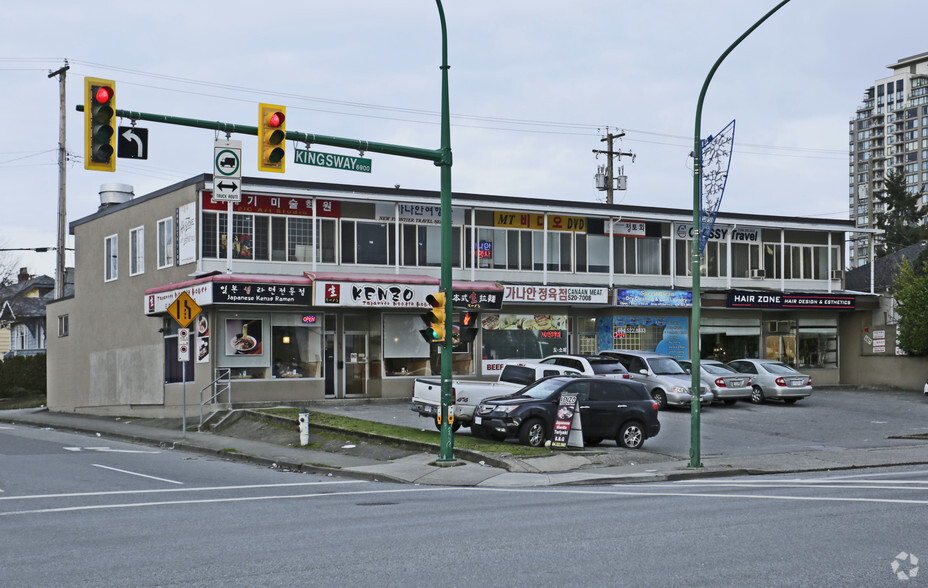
(715, 160)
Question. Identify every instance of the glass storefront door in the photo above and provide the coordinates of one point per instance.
(356, 363)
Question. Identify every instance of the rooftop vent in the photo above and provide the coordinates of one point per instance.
(111, 194)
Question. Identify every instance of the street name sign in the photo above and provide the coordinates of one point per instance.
(227, 171)
(331, 160)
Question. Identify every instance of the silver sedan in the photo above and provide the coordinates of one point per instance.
(774, 379)
(726, 384)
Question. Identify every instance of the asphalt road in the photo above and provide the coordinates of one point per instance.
(79, 511)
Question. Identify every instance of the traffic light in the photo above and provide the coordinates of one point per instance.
(99, 124)
(435, 333)
(468, 328)
(272, 133)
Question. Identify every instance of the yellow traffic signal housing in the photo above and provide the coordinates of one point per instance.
(272, 135)
(99, 124)
(435, 333)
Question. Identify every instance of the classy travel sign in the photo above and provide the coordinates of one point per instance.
(796, 301)
(722, 233)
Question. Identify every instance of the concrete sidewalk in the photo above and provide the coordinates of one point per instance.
(418, 466)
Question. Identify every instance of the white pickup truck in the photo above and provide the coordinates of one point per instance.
(467, 394)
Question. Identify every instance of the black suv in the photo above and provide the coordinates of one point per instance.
(609, 408)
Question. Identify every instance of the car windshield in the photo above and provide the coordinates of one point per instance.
(719, 369)
(607, 367)
(665, 366)
(541, 388)
(779, 368)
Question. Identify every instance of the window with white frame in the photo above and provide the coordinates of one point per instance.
(137, 251)
(110, 258)
(165, 242)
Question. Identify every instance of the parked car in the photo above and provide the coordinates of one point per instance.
(664, 377)
(774, 379)
(610, 408)
(926, 387)
(726, 385)
(590, 365)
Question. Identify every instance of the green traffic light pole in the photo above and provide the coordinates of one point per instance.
(695, 461)
(440, 157)
(446, 451)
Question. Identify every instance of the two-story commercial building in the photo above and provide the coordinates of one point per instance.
(308, 291)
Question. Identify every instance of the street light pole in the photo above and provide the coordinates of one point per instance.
(695, 461)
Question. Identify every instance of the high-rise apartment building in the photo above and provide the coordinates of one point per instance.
(888, 132)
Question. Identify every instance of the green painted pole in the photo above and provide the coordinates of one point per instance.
(695, 458)
(446, 451)
(434, 155)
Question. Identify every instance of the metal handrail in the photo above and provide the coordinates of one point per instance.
(221, 383)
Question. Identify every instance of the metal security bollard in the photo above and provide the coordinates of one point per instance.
(304, 427)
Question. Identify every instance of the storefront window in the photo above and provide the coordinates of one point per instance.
(663, 334)
(818, 343)
(242, 345)
(296, 346)
(405, 352)
(780, 340)
(521, 336)
(729, 338)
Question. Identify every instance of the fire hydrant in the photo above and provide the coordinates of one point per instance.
(304, 427)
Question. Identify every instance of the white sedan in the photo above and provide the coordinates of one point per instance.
(774, 379)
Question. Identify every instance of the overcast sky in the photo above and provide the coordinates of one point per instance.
(534, 85)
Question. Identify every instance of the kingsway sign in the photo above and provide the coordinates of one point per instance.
(347, 162)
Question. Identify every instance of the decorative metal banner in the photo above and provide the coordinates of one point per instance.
(715, 159)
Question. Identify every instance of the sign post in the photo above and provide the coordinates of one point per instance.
(183, 310)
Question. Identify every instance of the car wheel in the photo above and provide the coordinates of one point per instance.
(790, 400)
(757, 395)
(592, 441)
(532, 433)
(660, 398)
(454, 426)
(631, 435)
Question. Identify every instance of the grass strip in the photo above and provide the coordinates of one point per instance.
(362, 426)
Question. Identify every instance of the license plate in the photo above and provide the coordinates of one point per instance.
(797, 382)
(737, 383)
(477, 420)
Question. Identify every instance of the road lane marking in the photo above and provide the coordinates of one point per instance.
(96, 465)
(221, 500)
(163, 490)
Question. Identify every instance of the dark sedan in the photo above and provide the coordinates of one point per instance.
(609, 409)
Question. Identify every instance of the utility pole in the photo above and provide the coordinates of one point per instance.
(62, 182)
(610, 153)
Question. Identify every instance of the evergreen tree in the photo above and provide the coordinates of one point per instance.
(911, 294)
(900, 218)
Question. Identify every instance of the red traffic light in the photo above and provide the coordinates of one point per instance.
(276, 119)
(103, 94)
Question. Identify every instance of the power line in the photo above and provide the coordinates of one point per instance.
(563, 128)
